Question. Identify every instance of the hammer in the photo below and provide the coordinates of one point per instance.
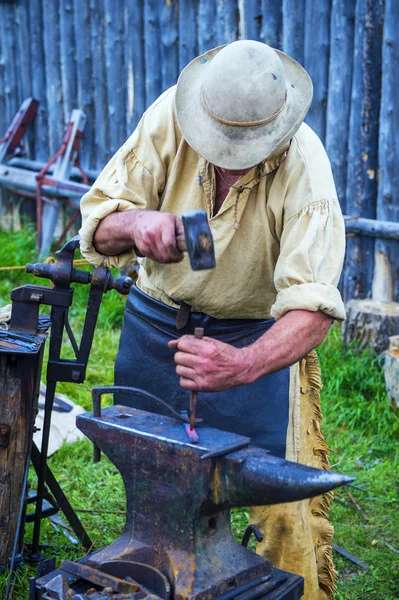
(197, 240)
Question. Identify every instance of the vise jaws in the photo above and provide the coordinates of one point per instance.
(179, 497)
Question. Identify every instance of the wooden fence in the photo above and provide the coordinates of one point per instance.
(112, 58)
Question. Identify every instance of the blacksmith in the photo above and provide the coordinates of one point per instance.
(230, 139)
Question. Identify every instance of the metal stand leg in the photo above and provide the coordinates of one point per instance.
(62, 500)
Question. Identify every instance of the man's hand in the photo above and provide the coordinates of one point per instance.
(151, 232)
(208, 365)
(155, 234)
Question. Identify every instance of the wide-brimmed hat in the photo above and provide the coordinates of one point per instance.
(238, 104)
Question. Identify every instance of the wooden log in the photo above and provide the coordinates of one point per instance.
(226, 21)
(135, 62)
(40, 128)
(19, 388)
(391, 371)
(250, 17)
(101, 150)
(84, 89)
(294, 28)
(388, 230)
(386, 270)
(169, 27)
(316, 57)
(115, 64)
(51, 37)
(68, 57)
(339, 91)
(206, 25)
(362, 159)
(153, 73)
(371, 323)
(272, 23)
(188, 47)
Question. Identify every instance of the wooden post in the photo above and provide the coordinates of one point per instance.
(101, 143)
(392, 372)
(51, 37)
(316, 57)
(339, 91)
(188, 47)
(37, 68)
(135, 63)
(294, 28)
(68, 57)
(153, 73)
(85, 89)
(361, 190)
(19, 389)
(168, 38)
(206, 25)
(250, 16)
(116, 77)
(272, 23)
(386, 270)
(226, 21)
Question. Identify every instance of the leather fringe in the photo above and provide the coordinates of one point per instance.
(327, 574)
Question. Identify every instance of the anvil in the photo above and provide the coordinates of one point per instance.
(179, 501)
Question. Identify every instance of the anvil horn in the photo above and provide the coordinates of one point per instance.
(252, 477)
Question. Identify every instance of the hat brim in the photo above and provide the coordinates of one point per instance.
(229, 146)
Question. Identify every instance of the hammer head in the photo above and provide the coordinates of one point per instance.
(199, 240)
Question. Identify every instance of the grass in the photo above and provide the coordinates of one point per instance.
(361, 428)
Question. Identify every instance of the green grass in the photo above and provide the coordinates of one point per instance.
(361, 428)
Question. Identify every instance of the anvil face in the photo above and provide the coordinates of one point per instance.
(178, 505)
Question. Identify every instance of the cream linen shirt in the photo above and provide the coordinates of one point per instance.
(287, 252)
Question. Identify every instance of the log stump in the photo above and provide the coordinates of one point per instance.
(392, 372)
(371, 323)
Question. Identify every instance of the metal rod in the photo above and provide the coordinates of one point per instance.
(243, 588)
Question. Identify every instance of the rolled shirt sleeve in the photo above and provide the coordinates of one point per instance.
(307, 272)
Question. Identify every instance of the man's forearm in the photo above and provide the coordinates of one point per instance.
(286, 342)
(115, 233)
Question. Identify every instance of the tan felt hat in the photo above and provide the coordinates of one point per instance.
(237, 104)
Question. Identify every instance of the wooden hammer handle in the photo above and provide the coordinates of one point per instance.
(181, 243)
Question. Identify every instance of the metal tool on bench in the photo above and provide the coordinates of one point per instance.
(179, 501)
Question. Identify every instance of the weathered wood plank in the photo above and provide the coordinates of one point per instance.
(339, 91)
(362, 160)
(386, 272)
(9, 51)
(249, 19)
(101, 149)
(316, 57)
(169, 27)
(135, 62)
(272, 23)
(51, 37)
(68, 57)
(187, 42)
(388, 230)
(153, 75)
(19, 382)
(37, 68)
(84, 71)
(116, 74)
(294, 28)
(226, 21)
(206, 25)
